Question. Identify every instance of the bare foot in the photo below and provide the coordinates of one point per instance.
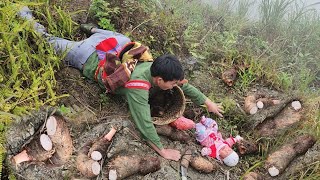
(170, 154)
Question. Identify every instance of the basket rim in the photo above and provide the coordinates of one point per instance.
(161, 121)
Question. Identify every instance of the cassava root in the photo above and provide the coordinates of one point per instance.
(254, 120)
(250, 105)
(91, 153)
(253, 176)
(278, 161)
(99, 148)
(59, 134)
(257, 101)
(85, 165)
(266, 102)
(203, 165)
(173, 134)
(285, 120)
(38, 150)
(124, 166)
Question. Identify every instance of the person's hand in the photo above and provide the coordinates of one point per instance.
(213, 107)
(170, 154)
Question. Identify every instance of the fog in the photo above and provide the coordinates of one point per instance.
(253, 12)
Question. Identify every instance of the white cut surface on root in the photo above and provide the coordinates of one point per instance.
(112, 175)
(45, 142)
(260, 104)
(51, 125)
(254, 110)
(296, 105)
(96, 155)
(273, 171)
(95, 168)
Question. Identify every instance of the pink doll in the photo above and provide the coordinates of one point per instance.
(214, 145)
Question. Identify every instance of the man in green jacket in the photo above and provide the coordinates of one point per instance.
(127, 68)
(165, 72)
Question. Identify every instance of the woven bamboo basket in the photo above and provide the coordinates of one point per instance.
(166, 105)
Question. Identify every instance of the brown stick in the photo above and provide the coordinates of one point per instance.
(278, 161)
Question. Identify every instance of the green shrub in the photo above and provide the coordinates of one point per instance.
(102, 11)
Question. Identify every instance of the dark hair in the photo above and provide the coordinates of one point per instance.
(168, 67)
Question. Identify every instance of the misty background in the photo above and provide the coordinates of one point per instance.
(254, 6)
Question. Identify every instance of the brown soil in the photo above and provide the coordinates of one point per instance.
(91, 114)
(89, 119)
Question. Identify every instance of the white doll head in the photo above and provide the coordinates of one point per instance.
(228, 156)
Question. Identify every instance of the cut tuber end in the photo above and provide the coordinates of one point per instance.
(46, 142)
(51, 125)
(21, 157)
(275, 101)
(273, 171)
(250, 104)
(296, 105)
(96, 155)
(253, 110)
(110, 134)
(260, 104)
(112, 175)
(95, 167)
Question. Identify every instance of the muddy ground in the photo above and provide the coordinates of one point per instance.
(90, 113)
(89, 116)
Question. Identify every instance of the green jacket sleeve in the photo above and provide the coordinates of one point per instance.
(140, 112)
(195, 94)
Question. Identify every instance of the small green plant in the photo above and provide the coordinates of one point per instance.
(286, 80)
(104, 99)
(246, 77)
(102, 11)
(61, 25)
(27, 63)
(64, 110)
(305, 79)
